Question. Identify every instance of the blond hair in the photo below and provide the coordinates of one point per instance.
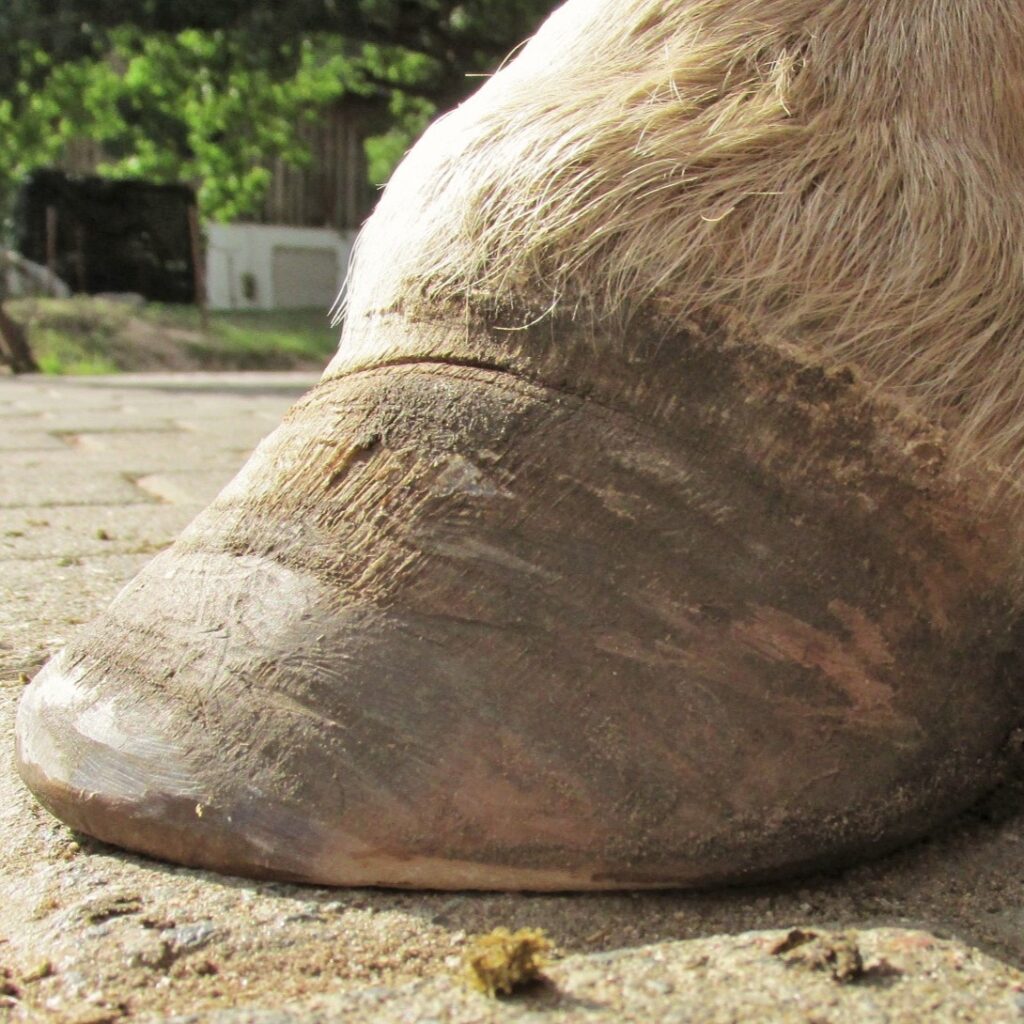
(847, 174)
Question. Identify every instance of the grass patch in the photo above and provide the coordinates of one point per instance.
(86, 335)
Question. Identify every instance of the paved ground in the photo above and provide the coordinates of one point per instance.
(95, 476)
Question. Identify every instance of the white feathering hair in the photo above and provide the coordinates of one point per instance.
(847, 174)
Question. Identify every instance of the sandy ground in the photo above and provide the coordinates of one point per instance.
(96, 475)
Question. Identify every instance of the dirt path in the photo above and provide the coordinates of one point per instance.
(96, 475)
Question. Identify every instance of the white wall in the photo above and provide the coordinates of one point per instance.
(268, 266)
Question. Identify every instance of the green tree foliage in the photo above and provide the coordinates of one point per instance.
(208, 93)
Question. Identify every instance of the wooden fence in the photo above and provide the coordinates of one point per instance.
(331, 191)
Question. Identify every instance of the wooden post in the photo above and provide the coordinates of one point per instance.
(80, 257)
(14, 349)
(198, 266)
(51, 240)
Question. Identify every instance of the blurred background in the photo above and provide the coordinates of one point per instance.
(181, 181)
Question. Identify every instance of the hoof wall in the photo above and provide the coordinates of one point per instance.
(389, 655)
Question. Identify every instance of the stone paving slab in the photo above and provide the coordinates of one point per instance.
(82, 505)
(246, 431)
(45, 599)
(14, 439)
(184, 487)
(139, 392)
(39, 479)
(230, 409)
(70, 420)
(37, 398)
(11, 415)
(253, 386)
(73, 531)
(138, 452)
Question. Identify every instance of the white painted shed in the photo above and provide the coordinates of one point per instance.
(271, 266)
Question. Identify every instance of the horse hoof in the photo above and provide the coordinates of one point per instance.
(586, 565)
(451, 628)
